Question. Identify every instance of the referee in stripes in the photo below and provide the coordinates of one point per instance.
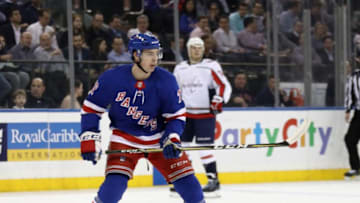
(352, 101)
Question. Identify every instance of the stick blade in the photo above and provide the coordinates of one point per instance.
(299, 131)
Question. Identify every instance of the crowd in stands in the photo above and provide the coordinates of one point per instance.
(233, 31)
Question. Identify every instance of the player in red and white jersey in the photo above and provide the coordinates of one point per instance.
(204, 89)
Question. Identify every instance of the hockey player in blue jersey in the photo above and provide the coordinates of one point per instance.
(146, 111)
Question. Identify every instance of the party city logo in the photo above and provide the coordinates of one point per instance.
(234, 136)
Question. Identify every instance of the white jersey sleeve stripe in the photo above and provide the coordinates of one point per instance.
(179, 113)
(94, 106)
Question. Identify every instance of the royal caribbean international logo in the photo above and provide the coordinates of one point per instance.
(43, 141)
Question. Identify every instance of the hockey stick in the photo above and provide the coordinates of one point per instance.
(290, 140)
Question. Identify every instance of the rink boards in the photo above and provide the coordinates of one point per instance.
(40, 149)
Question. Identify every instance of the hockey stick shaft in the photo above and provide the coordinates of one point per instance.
(196, 148)
(297, 134)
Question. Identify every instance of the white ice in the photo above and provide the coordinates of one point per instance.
(294, 192)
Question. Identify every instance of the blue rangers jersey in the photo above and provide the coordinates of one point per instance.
(141, 112)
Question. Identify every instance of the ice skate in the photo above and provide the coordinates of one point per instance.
(212, 189)
(173, 192)
(352, 175)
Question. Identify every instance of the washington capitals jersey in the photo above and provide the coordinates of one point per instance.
(142, 111)
(196, 80)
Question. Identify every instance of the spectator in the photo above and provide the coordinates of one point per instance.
(250, 39)
(170, 53)
(46, 51)
(213, 16)
(226, 41)
(241, 95)
(201, 7)
(6, 7)
(99, 53)
(97, 30)
(294, 36)
(258, 14)
(298, 58)
(285, 45)
(5, 88)
(19, 99)
(202, 28)
(82, 71)
(237, 18)
(115, 29)
(36, 98)
(327, 53)
(288, 18)
(12, 30)
(53, 72)
(319, 14)
(118, 52)
(266, 96)
(78, 29)
(320, 31)
(225, 6)
(31, 11)
(17, 78)
(125, 26)
(210, 47)
(80, 53)
(233, 5)
(66, 102)
(142, 25)
(160, 15)
(42, 26)
(3, 50)
(188, 18)
(24, 51)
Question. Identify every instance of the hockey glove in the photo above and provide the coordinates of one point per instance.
(91, 146)
(216, 104)
(170, 145)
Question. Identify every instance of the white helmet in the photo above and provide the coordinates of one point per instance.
(195, 41)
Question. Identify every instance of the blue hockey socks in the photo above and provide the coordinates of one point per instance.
(112, 188)
(189, 189)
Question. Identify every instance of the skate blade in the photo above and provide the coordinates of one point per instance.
(174, 194)
(215, 194)
(353, 178)
(208, 195)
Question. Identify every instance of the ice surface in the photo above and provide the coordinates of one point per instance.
(294, 192)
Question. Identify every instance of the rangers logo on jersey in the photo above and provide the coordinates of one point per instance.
(134, 112)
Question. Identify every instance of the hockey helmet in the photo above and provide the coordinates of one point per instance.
(139, 42)
(195, 41)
